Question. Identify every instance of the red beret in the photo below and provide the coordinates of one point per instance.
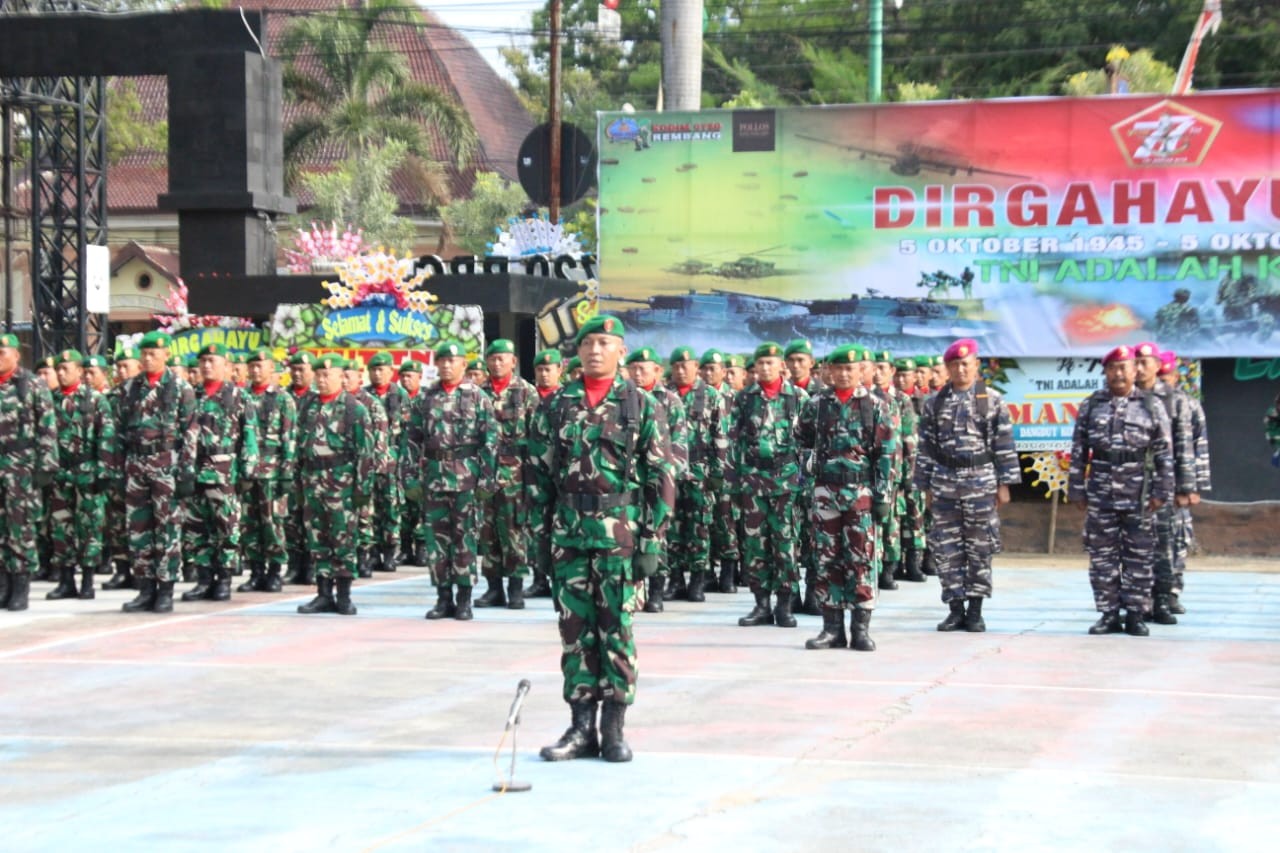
(1120, 353)
(962, 348)
(1146, 349)
(1168, 361)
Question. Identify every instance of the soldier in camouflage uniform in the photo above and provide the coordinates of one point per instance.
(412, 533)
(573, 369)
(548, 369)
(800, 368)
(354, 383)
(890, 551)
(1178, 320)
(266, 500)
(911, 500)
(238, 365)
(156, 412)
(602, 486)
(504, 538)
(95, 373)
(451, 466)
(965, 465)
(703, 480)
(28, 463)
(301, 380)
(726, 516)
(646, 371)
(116, 544)
(223, 435)
(1121, 473)
(46, 372)
(766, 461)
(476, 373)
(850, 434)
(1184, 540)
(924, 390)
(1168, 523)
(387, 498)
(735, 373)
(337, 461)
(86, 435)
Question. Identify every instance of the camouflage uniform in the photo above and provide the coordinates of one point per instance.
(701, 481)
(853, 445)
(388, 500)
(504, 538)
(911, 498)
(266, 501)
(1185, 542)
(295, 527)
(28, 460)
(370, 527)
(726, 519)
(1120, 458)
(222, 445)
(412, 533)
(1170, 530)
(889, 554)
(86, 438)
(806, 531)
(961, 460)
(450, 464)
(766, 464)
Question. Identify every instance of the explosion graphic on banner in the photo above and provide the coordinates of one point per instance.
(379, 279)
(1050, 468)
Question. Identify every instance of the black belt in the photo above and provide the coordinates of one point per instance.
(960, 461)
(772, 464)
(326, 463)
(450, 454)
(152, 447)
(842, 478)
(595, 503)
(1116, 457)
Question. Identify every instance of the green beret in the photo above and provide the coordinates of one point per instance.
(601, 324)
(711, 356)
(302, 357)
(155, 340)
(680, 354)
(737, 361)
(238, 358)
(904, 363)
(799, 345)
(882, 356)
(69, 356)
(191, 362)
(96, 361)
(409, 365)
(575, 363)
(48, 361)
(847, 354)
(213, 349)
(356, 362)
(642, 354)
(9, 341)
(768, 349)
(127, 354)
(381, 359)
(331, 359)
(501, 346)
(452, 349)
(260, 354)
(548, 356)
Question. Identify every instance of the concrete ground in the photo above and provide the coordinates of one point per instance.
(245, 726)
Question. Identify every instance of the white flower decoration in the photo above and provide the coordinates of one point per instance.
(468, 322)
(287, 323)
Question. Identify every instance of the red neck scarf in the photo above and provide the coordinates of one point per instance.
(804, 384)
(682, 390)
(843, 396)
(211, 388)
(381, 390)
(499, 386)
(67, 392)
(650, 386)
(771, 389)
(447, 388)
(597, 389)
(298, 392)
(259, 389)
(7, 376)
(329, 398)
(544, 393)
(153, 379)
(413, 395)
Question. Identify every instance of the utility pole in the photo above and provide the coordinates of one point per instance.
(682, 54)
(877, 51)
(553, 114)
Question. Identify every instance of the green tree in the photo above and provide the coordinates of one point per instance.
(471, 221)
(357, 192)
(359, 94)
(128, 130)
(1141, 71)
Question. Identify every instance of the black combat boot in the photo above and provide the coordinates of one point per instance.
(145, 599)
(540, 588)
(444, 603)
(386, 561)
(676, 588)
(832, 636)
(5, 586)
(1175, 604)
(419, 554)
(929, 563)
(343, 603)
(19, 590)
(653, 601)
(164, 598)
(782, 613)
(580, 739)
(463, 610)
(220, 589)
(861, 640)
(323, 602)
(612, 746)
(66, 587)
(188, 572)
(1133, 624)
(122, 579)
(697, 586)
(204, 583)
(271, 581)
(1108, 623)
(911, 567)
(308, 570)
(1161, 614)
(886, 580)
(493, 596)
(809, 607)
(364, 562)
(297, 569)
(515, 593)
(728, 571)
(254, 583)
(973, 622)
(86, 585)
(760, 614)
(955, 619)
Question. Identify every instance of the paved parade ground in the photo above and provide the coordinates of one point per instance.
(245, 726)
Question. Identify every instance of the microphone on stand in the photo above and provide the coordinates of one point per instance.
(513, 716)
(509, 784)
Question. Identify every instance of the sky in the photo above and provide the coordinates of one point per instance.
(488, 24)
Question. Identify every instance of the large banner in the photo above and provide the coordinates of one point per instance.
(1040, 227)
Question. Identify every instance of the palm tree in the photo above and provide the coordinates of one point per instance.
(359, 94)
